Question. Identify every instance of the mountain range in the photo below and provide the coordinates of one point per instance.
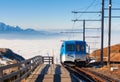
(10, 29)
(16, 32)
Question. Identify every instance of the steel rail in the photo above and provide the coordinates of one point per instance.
(78, 74)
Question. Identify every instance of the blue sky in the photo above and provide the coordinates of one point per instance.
(45, 14)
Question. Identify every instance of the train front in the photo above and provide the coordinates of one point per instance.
(74, 51)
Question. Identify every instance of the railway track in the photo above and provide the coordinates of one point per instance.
(98, 75)
(79, 76)
(89, 75)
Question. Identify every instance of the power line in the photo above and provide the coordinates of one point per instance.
(112, 8)
(88, 7)
(86, 20)
(86, 12)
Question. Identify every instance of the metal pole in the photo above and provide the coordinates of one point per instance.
(83, 30)
(89, 49)
(109, 31)
(102, 33)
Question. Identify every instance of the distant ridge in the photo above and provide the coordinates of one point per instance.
(16, 32)
(7, 28)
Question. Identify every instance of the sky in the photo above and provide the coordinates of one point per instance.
(41, 14)
(47, 14)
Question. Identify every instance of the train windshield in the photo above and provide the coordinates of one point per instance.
(80, 48)
(70, 47)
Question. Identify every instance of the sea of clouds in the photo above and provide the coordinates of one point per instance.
(45, 46)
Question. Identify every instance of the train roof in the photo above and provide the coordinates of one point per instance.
(67, 41)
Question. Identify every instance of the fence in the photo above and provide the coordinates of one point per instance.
(19, 71)
(48, 59)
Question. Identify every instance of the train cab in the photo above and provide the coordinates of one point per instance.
(73, 51)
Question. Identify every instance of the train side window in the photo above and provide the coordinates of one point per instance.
(70, 47)
(79, 48)
(82, 48)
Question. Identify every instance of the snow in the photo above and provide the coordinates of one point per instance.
(4, 62)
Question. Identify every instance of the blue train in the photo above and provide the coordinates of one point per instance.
(73, 51)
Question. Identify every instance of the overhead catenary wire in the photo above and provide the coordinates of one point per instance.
(91, 4)
(85, 12)
(87, 8)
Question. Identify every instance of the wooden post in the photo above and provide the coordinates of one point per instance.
(18, 75)
(52, 60)
(43, 59)
(1, 75)
(49, 60)
(53, 56)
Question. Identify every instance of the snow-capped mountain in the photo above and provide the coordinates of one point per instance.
(16, 32)
(7, 28)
